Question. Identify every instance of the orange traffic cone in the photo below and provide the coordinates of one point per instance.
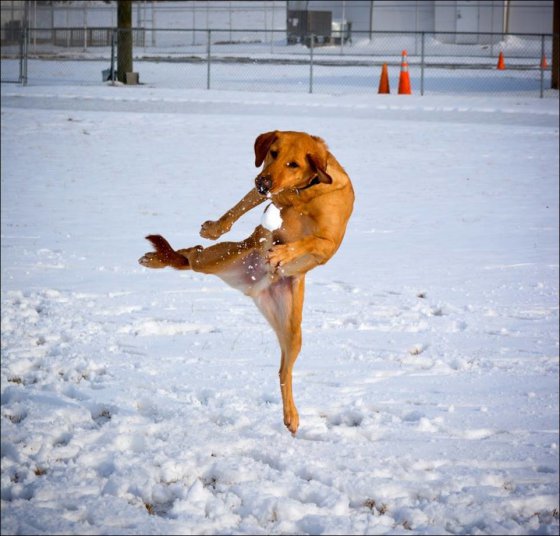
(544, 63)
(404, 79)
(384, 80)
(501, 64)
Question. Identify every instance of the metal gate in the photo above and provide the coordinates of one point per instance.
(15, 43)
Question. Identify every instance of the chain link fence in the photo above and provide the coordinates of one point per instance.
(343, 62)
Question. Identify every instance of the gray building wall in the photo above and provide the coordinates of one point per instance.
(522, 16)
(515, 16)
(530, 17)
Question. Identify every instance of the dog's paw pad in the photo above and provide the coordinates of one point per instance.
(151, 260)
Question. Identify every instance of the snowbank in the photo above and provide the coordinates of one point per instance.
(137, 401)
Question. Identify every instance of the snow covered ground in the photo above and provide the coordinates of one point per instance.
(147, 402)
(338, 79)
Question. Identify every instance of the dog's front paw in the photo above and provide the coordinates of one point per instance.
(213, 229)
(280, 255)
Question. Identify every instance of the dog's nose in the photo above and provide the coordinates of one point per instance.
(263, 183)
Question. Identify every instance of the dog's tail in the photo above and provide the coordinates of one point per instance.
(167, 254)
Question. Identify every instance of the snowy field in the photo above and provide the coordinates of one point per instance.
(289, 78)
(147, 402)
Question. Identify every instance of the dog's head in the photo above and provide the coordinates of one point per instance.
(292, 161)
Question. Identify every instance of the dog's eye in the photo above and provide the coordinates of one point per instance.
(274, 154)
(292, 164)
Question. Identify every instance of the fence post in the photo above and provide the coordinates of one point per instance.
(113, 46)
(85, 27)
(422, 65)
(542, 66)
(311, 63)
(24, 37)
(208, 60)
(21, 52)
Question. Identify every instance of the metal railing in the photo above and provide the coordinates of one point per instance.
(21, 52)
(462, 63)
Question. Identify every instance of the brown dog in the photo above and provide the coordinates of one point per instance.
(315, 197)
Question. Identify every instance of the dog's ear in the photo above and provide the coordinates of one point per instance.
(262, 145)
(319, 166)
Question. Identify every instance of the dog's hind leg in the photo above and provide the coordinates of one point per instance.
(281, 304)
(164, 255)
(218, 259)
(223, 256)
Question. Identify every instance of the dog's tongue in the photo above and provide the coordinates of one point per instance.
(271, 218)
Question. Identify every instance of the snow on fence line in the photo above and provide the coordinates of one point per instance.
(440, 62)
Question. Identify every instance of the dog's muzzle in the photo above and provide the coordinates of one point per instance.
(263, 184)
